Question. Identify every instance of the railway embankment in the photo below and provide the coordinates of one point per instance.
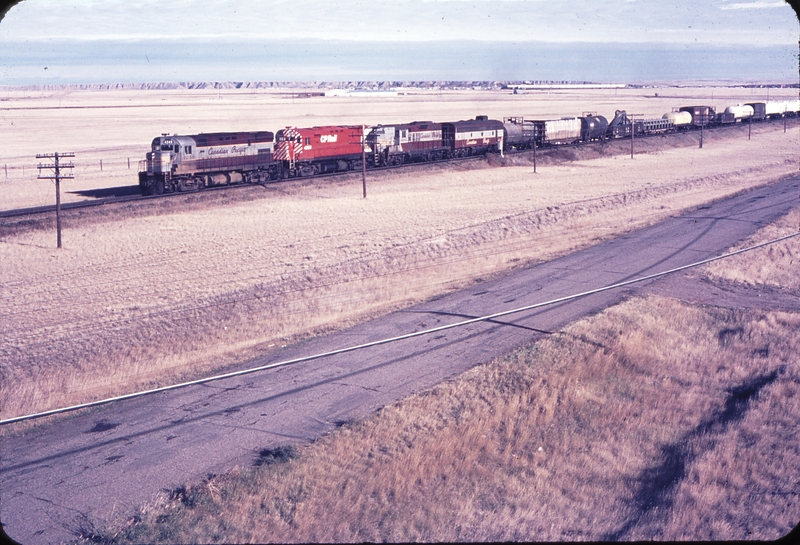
(658, 418)
(225, 276)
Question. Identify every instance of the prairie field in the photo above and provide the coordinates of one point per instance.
(775, 265)
(149, 293)
(654, 420)
(115, 127)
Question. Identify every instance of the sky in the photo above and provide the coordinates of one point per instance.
(63, 41)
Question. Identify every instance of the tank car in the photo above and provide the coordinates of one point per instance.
(184, 163)
(520, 133)
(319, 150)
(740, 112)
(680, 120)
(593, 127)
(405, 143)
(472, 137)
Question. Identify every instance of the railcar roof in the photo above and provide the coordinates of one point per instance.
(473, 124)
(258, 136)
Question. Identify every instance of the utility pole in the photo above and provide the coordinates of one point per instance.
(364, 160)
(533, 139)
(702, 122)
(632, 119)
(57, 176)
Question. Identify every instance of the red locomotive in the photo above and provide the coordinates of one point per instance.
(318, 150)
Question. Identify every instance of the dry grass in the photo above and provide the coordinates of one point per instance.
(147, 296)
(654, 419)
(774, 265)
(117, 125)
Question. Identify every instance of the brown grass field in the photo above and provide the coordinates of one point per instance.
(151, 293)
(571, 438)
(652, 420)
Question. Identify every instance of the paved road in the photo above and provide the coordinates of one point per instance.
(107, 460)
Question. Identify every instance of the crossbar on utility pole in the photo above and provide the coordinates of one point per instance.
(57, 176)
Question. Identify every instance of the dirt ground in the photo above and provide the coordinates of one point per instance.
(150, 293)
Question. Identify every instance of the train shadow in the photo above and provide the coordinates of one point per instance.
(105, 192)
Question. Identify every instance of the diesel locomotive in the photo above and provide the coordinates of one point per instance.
(191, 162)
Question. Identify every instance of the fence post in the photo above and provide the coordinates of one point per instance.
(101, 165)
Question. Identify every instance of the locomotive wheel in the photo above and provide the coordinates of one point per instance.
(159, 187)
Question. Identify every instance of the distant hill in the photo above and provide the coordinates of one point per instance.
(367, 85)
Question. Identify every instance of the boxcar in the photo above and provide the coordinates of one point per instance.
(759, 110)
(701, 115)
(566, 130)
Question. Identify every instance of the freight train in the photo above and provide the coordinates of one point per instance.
(191, 162)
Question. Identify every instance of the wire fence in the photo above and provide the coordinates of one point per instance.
(14, 171)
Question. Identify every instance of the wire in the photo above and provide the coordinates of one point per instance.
(392, 339)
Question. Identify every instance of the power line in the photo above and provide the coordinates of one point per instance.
(485, 318)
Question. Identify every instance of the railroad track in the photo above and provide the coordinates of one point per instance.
(20, 212)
